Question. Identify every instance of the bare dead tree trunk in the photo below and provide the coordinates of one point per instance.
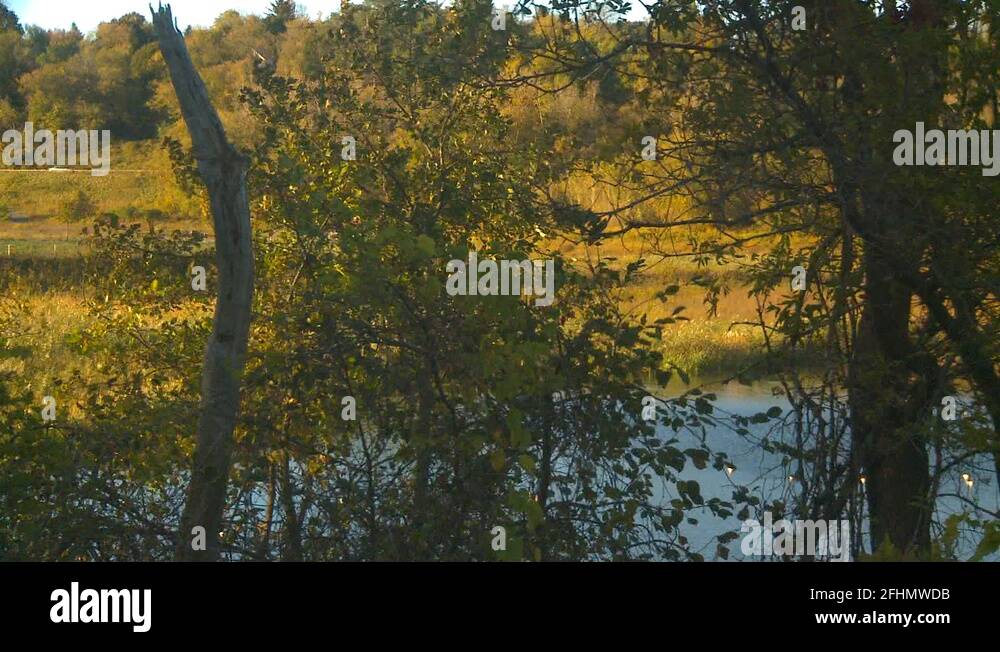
(223, 170)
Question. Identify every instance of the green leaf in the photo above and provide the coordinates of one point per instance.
(698, 457)
(426, 244)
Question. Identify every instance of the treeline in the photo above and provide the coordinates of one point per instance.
(64, 80)
(114, 78)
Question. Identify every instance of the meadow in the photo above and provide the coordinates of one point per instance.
(41, 260)
(45, 300)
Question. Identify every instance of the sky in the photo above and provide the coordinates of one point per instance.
(60, 14)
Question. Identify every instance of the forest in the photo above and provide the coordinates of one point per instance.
(575, 280)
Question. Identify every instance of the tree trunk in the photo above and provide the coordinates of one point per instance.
(884, 424)
(291, 533)
(223, 171)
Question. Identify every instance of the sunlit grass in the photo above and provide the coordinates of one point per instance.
(701, 341)
(140, 177)
(40, 334)
(38, 355)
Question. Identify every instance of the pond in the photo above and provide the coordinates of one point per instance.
(764, 473)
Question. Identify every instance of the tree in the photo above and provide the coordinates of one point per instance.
(62, 44)
(279, 14)
(223, 171)
(472, 412)
(77, 209)
(771, 132)
(8, 20)
(14, 62)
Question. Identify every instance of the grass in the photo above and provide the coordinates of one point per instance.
(40, 333)
(37, 352)
(140, 177)
(711, 342)
(43, 300)
(706, 345)
(47, 237)
(702, 344)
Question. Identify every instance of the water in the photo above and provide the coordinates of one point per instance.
(765, 474)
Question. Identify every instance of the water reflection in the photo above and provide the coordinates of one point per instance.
(765, 474)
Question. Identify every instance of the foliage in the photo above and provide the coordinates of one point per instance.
(773, 151)
(78, 208)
